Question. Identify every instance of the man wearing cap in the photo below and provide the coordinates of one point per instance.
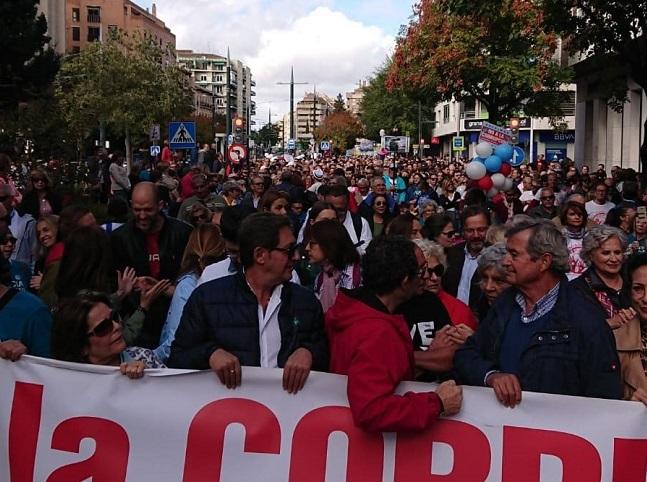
(23, 228)
(201, 195)
(231, 192)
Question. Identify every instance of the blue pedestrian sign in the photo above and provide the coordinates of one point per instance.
(292, 144)
(181, 135)
(325, 145)
(155, 150)
(518, 156)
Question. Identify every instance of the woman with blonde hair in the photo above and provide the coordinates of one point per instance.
(206, 246)
(40, 199)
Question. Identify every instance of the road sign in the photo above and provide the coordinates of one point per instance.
(518, 156)
(154, 132)
(181, 135)
(458, 143)
(325, 145)
(155, 150)
(292, 144)
(237, 153)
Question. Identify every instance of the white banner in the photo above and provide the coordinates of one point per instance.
(70, 423)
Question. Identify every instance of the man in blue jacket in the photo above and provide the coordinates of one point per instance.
(255, 317)
(539, 335)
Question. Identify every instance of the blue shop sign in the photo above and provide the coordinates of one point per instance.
(552, 136)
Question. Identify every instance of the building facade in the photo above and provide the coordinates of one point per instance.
(310, 113)
(209, 71)
(73, 24)
(354, 98)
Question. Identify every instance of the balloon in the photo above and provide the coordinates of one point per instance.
(492, 192)
(478, 159)
(493, 163)
(503, 151)
(484, 149)
(509, 184)
(506, 169)
(475, 170)
(498, 180)
(485, 183)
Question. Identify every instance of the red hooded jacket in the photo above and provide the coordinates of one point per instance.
(374, 349)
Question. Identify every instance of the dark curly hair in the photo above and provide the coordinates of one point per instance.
(387, 262)
(70, 327)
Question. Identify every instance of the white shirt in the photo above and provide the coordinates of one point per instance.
(226, 268)
(366, 235)
(469, 268)
(598, 212)
(269, 338)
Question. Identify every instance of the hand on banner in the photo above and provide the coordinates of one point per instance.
(621, 318)
(126, 282)
(452, 397)
(640, 395)
(296, 370)
(226, 366)
(12, 350)
(506, 387)
(133, 370)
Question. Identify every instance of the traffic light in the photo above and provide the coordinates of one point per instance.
(514, 130)
(238, 129)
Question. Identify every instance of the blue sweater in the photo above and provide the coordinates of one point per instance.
(26, 319)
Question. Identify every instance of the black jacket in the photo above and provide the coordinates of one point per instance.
(30, 203)
(452, 277)
(574, 354)
(223, 313)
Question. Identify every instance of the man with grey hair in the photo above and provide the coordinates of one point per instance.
(540, 336)
(546, 208)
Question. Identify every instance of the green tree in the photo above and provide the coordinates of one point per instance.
(126, 83)
(340, 127)
(339, 105)
(497, 51)
(27, 67)
(267, 136)
(386, 110)
(613, 34)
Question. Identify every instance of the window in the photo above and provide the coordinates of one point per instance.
(218, 78)
(76, 34)
(203, 78)
(94, 14)
(76, 14)
(445, 113)
(94, 34)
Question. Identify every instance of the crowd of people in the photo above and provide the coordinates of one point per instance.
(383, 270)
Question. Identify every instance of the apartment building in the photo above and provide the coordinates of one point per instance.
(310, 113)
(354, 98)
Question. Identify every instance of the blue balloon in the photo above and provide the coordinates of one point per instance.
(493, 163)
(503, 152)
(478, 159)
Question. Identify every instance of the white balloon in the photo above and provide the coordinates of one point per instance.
(509, 184)
(475, 170)
(484, 149)
(498, 180)
(492, 192)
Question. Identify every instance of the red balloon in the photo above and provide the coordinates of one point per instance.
(506, 169)
(485, 183)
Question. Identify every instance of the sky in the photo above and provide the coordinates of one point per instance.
(331, 43)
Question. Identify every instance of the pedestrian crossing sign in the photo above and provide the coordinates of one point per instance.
(181, 135)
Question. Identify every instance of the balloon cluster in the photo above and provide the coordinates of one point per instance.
(491, 168)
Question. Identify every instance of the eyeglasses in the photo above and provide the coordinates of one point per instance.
(547, 198)
(289, 251)
(9, 240)
(258, 183)
(105, 327)
(438, 270)
(381, 203)
(34, 180)
(449, 234)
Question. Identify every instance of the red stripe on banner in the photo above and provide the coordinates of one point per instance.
(24, 425)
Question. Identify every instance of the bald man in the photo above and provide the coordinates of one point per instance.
(153, 244)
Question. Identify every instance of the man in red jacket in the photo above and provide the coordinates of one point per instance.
(372, 345)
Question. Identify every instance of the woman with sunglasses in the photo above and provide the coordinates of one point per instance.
(329, 246)
(440, 229)
(20, 272)
(380, 216)
(87, 330)
(40, 200)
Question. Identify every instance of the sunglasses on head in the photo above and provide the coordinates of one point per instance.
(104, 327)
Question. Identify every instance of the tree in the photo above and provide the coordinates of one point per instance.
(386, 110)
(127, 83)
(27, 67)
(497, 51)
(340, 127)
(267, 136)
(339, 105)
(612, 33)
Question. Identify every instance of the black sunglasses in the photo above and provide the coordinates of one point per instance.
(105, 327)
(37, 179)
(438, 270)
(289, 251)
